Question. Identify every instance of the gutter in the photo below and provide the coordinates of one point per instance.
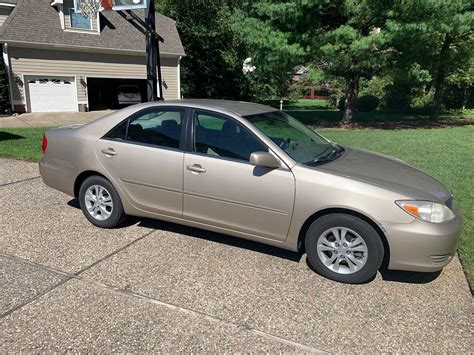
(87, 49)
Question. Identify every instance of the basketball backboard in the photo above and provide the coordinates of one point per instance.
(113, 4)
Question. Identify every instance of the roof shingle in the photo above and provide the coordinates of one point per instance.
(36, 22)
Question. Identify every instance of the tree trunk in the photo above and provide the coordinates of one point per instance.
(352, 93)
(439, 82)
(464, 96)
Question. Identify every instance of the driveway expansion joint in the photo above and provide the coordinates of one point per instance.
(242, 326)
(245, 327)
(19, 181)
(67, 276)
(35, 264)
(115, 252)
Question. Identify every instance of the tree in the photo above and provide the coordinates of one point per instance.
(270, 41)
(437, 35)
(354, 41)
(463, 79)
(350, 37)
(212, 67)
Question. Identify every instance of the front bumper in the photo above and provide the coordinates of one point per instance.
(422, 246)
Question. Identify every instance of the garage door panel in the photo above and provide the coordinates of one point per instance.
(52, 94)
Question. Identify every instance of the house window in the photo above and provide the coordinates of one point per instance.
(79, 21)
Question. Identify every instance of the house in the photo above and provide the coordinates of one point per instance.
(309, 89)
(59, 60)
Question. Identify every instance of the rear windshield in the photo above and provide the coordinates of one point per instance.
(129, 89)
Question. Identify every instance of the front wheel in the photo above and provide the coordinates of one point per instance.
(100, 202)
(344, 248)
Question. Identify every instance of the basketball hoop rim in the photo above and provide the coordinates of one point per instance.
(106, 5)
(91, 8)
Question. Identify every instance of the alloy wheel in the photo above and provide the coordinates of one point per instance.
(98, 202)
(342, 250)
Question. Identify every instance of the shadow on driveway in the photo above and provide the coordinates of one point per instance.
(387, 275)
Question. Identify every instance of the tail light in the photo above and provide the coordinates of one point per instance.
(45, 143)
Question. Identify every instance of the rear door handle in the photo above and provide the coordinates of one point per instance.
(109, 151)
(196, 168)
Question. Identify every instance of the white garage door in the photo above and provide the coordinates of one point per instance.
(51, 94)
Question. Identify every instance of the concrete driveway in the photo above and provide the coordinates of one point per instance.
(50, 119)
(153, 286)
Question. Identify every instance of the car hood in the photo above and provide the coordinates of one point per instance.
(387, 172)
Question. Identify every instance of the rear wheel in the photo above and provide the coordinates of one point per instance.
(100, 202)
(344, 248)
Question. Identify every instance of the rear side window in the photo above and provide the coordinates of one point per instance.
(118, 132)
(158, 127)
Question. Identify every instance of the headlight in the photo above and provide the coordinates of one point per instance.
(427, 211)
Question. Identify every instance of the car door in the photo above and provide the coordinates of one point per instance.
(144, 158)
(221, 188)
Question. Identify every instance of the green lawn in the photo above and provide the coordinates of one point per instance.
(445, 153)
(327, 117)
(317, 112)
(21, 143)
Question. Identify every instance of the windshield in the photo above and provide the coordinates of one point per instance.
(298, 141)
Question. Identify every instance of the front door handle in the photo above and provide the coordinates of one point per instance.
(109, 151)
(196, 168)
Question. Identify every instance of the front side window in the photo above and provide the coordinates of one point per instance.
(298, 141)
(221, 137)
(158, 127)
(79, 21)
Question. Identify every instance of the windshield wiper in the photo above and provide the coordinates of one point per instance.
(332, 155)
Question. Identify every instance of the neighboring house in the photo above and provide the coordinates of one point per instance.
(299, 72)
(59, 60)
(311, 91)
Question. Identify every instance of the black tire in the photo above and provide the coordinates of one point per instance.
(373, 242)
(117, 215)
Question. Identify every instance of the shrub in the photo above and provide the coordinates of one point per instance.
(332, 102)
(421, 100)
(377, 86)
(367, 103)
(341, 103)
(458, 97)
(4, 98)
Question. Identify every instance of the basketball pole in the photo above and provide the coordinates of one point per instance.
(153, 60)
(151, 55)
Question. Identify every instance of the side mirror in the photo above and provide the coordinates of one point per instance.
(264, 159)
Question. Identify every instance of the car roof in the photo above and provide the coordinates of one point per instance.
(240, 108)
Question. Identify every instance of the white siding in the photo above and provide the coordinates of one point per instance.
(26, 61)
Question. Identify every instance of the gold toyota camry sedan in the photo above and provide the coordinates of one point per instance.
(254, 172)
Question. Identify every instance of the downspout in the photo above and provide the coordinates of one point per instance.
(61, 17)
(179, 77)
